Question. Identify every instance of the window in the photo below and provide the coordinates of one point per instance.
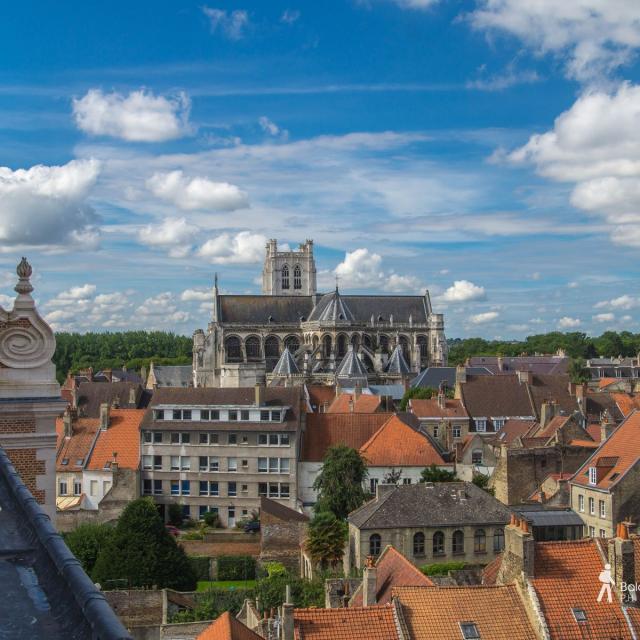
(147, 462)
(481, 424)
(158, 414)
(592, 507)
(274, 490)
(62, 488)
(233, 349)
(284, 440)
(406, 480)
(263, 439)
(498, 540)
(265, 416)
(480, 541)
(157, 463)
(185, 487)
(182, 414)
(203, 463)
(232, 489)
(77, 487)
(273, 439)
(252, 347)
(262, 489)
(185, 463)
(284, 490)
(157, 437)
(603, 533)
(213, 488)
(603, 509)
(273, 465)
(435, 430)
(476, 456)
(297, 277)
(275, 416)
(262, 465)
(438, 543)
(147, 437)
(418, 544)
(592, 532)
(581, 503)
(285, 277)
(175, 463)
(232, 465)
(373, 483)
(157, 487)
(186, 511)
(214, 463)
(457, 432)
(245, 464)
(284, 465)
(498, 423)
(580, 615)
(457, 545)
(180, 438)
(469, 631)
(244, 488)
(593, 475)
(232, 438)
(244, 415)
(203, 438)
(147, 487)
(175, 487)
(204, 488)
(375, 542)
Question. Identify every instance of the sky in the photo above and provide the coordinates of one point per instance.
(487, 150)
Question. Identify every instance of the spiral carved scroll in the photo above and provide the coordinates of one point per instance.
(25, 345)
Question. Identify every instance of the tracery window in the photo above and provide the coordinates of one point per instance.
(285, 277)
(297, 277)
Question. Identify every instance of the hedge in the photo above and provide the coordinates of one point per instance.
(441, 568)
(236, 568)
(200, 566)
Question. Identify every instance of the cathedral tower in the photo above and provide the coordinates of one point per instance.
(289, 273)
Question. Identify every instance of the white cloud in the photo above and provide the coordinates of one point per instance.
(174, 234)
(189, 295)
(415, 4)
(462, 291)
(162, 310)
(271, 128)
(482, 318)
(78, 293)
(397, 284)
(594, 36)
(231, 23)
(604, 317)
(46, 205)
(243, 248)
(6, 301)
(138, 117)
(509, 78)
(289, 16)
(568, 323)
(196, 193)
(621, 302)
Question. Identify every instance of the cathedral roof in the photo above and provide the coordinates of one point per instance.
(332, 308)
(351, 366)
(397, 363)
(286, 365)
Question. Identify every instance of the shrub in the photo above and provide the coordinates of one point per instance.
(212, 519)
(442, 568)
(86, 541)
(213, 603)
(175, 515)
(236, 568)
(200, 566)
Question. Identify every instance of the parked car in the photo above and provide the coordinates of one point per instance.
(252, 527)
(172, 530)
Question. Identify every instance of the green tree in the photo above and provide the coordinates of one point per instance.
(578, 373)
(86, 541)
(175, 514)
(435, 474)
(142, 552)
(340, 481)
(392, 476)
(326, 539)
(481, 480)
(422, 393)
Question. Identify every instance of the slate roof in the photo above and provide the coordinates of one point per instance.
(92, 394)
(436, 613)
(264, 309)
(535, 364)
(445, 504)
(324, 430)
(396, 444)
(45, 592)
(173, 375)
(432, 376)
(549, 517)
(397, 363)
(552, 387)
(365, 403)
(226, 627)
(377, 622)
(485, 396)
(431, 409)
(122, 437)
(286, 365)
(281, 511)
(332, 309)
(351, 367)
(392, 570)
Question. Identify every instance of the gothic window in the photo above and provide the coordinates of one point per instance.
(375, 543)
(342, 345)
(326, 346)
(293, 343)
(272, 347)
(418, 544)
(438, 543)
(384, 343)
(404, 345)
(233, 349)
(285, 277)
(297, 277)
(367, 340)
(355, 341)
(424, 346)
(480, 541)
(458, 542)
(252, 347)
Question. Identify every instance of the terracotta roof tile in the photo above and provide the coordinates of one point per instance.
(77, 448)
(594, 431)
(433, 613)
(366, 403)
(490, 572)
(626, 403)
(485, 396)
(396, 444)
(320, 395)
(226, 627)
(605, 382)
(431, 409)
(324, 430)
(355, 623)
(393, 570)
(623, 444)
(555, 424)
(513, 429)
(122, 437)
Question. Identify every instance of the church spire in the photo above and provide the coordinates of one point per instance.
(215, 312)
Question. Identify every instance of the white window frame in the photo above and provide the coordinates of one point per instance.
(593, 476)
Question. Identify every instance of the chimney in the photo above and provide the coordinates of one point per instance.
(500, 364)
(547, 412)
(622, 563)
(287, 617)
(581, 391)
(74, 397)
(351, 404)
(132, 396)
(108, 374)
(143, 374)
(67, 421)
(383, 489)
(259, 395)
(357, 391)
(525, 377)
(369, 583)
(442, 398)
(461, 378)
(607, 425)
(519, 549)
(114, 463)
(104, 416)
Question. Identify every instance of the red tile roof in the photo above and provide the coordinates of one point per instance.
(78, 447)
(513, 429)
(554, 425)
(490, 572)
(393, 570)
(324, 430)
(366, 403)
(226, 627)
(605, 382)
(566, 578)
(320, 395)
(396, 444)
(355, 623)
(122, 437)
(626, 403)
(594, 431)
(431, 409)
(623, 445)
(433, 613)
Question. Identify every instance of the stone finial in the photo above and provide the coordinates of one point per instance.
(24, 272)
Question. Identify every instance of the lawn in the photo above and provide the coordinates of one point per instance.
(205, 585)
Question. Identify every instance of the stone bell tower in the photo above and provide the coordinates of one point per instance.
(289, 273)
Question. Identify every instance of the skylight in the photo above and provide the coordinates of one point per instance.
(469, 631)
(579, 614)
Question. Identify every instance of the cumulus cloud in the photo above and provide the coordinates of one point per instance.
(6, 301)
(199, 295)
(594, 37)
(482, 318)
(46, 205)
(463, 291)
(75, 293)
(604, 317)
(271, 128)
(231, 24)
(196, 193)
(243, 248)
(568, 323)
(174, 234)
(162, 310)
(621, 302)
(138, 117)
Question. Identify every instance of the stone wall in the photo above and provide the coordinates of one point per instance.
(29, 467)
(250, 547)
(280, 541)
(137, 608)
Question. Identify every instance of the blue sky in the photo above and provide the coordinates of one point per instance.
(486, 149)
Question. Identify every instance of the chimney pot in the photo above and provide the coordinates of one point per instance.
(369, 583)
(104, 416)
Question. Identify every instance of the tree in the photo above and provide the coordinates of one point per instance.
(481, 480)
(340, 481)
(86, 541)
(175, 516)
(434, 474)
(143, 553)
(578, 373)
(326, 539)
(392, 477)
(422, 393)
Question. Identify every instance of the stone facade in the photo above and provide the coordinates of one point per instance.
(29, 393)
(290, 273)
(281, 535)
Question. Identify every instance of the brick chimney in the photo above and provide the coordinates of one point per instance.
(519, 551)
(461, 378)
(622, 561)
(67, 421)
(524, 377)
(547, 412)
(287, 617)
(607, 425)
(104, 416)
(369, 583)
(259, 395)
(132, 396)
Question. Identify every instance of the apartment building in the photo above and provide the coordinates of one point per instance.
(221, 450)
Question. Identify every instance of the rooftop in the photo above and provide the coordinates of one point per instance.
(122, 438)
(364, 403)
(226, 627)
(432, 409)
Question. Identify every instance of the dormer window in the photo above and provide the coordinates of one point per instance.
(469, 631)
(593, 475)
(481, 424)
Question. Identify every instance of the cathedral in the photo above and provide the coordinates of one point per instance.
(292, 334)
